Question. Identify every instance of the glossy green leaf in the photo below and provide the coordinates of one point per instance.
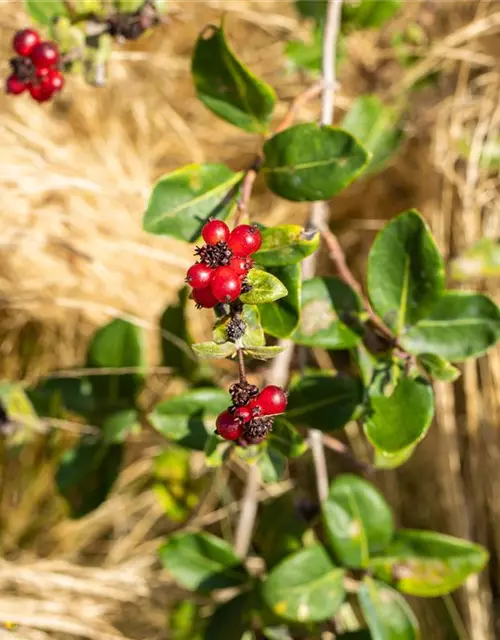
(285, 245)
(265, 288)
(286, 439)
(227, 87)
(385, 460)
(186, 418)
(405, 272)
(119, 425)
(402, 419)
(482, 260)
(311, 162)
(118, 345)
(377, 127)
(202, 562)
(86, 474)
(368, 14)
(426, 563)
(305, 587)
(357, 519)
(182, 201)
(176, 338)
(45, 11)
(254, 334)
(229, 620)
(323, 400)
(213, 350)
(58, 397)
(329, 308)
(438, 368)
(272, 465)
(264, 353)
(280, 318)
(388, 615)
(461, 325)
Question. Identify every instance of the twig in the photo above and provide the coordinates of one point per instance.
(341, 449)
(246, 522)
(246, 190)
(241, 365)
(300, 101)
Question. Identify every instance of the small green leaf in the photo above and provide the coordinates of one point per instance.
(265, 288)
(185, 621)
(58, 397)
(227, 87)
(305, 587)
(405, 272)
(460, 325)
(176, 339)
(254, 334)
(45, 11)
(386, 612)
(368, 14)
(280, 318)
(482, 260)
(185, 418)
(272, 465)
(311, 162)
(285, 245)
(357, 519)
(175, 488)
(264, 353)
(385, 460)
(402, 419)
(428, 564)
(306, 55)
(286, 439)
(214, 350)
(376, 126)
(328, 307)
(202, 562)
(117, 427)
(323, 400)
(438, 367)
(182, 201)
(229, 620)
(216, 450)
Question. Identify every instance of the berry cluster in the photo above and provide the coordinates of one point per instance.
(251, 416)
(35, 67)
(131, 26)
(224, 263)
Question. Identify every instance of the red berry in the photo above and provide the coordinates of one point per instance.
(241, 266)
(245, 240)
(14, 85)
(25, 41)
(226, 286)
(41, 92)
(243, 414)
(227, 427)
(205, 298)
(199, 276)
(272, 399)
(55, 79)
(215, 231)
(44, 55)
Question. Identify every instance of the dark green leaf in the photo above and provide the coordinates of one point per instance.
(438, 367)
(482, 260)
(44, 11)
(176, 338)
(368, 14)
(461, 325)
(405, 272)
(311, 162)
(357, 519)
(386, 612)
(87, 473)
(254, 334)
(56, 397)
(377, 127)
(227, 87)
(306, 54)
(306, 587)
(400, 420)
(214, 350)
(184, 419)
(182, 201)
(117, 345)
(216, 450)
(362, 634)
(286, 439)
(202, 562)
(426, 563)
(324, 400)
(315, 9)
(265, 288)
(285, 245)
(229, 620)
(280, 318)
(264, 353)
(117, 426)
(272, 465)
(329, 308)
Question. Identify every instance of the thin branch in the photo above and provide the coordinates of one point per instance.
(241, 365)
(244, 530)
(300, 101)
(246, 191)
(342, 450)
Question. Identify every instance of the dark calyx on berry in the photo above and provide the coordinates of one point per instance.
(245, 240)
(215, 255)
(132, 25)
(226, 286)
(23, 68)
(246, 286)
(241, 265)
(236, 328)
(258, 428)
(215, 231)
(242, 392)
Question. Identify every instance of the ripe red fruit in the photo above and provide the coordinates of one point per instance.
(243, 414)
(205, 298)
(14, 85)
(41, 92)
(215, 231)
(45, 55)
(272, 400)
(245, 240)
(226, 285)
(227, 427)
(199, 276)
(25, 41)
(241, 266)
(55, 79)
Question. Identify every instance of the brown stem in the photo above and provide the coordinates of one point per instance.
(241, 366)
(246, 191)
(300, 101)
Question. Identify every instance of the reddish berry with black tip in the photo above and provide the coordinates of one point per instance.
(227, 427)
(205, 298)
(41, 92)
(226, 285)
(15, 86)
(45, 55)
(25, 41)
(241, 265)
(199, 276)
(242, 414)
(245, 240)
(215, 231)
(272, 400)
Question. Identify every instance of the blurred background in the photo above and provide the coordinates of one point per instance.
(74, 179)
